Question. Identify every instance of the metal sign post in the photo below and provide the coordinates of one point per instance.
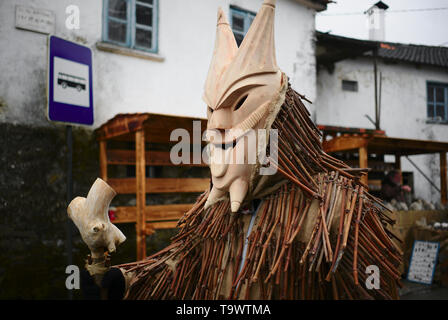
(70, 101)
(69, 224)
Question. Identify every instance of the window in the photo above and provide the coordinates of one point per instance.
(131, 23)
(437, 96)
(348, 85)
(240, 20)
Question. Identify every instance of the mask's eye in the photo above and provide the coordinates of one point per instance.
(240, 102)
(210, 109)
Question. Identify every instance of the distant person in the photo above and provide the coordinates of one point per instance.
(391, 187)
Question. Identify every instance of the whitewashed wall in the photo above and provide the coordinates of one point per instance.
(124, 84)
(403, 108)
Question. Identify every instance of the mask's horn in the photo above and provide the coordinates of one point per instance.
(257, 51)
(256, 55)
(223, 54)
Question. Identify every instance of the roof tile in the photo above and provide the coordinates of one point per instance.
(413, 53)
(430, 55)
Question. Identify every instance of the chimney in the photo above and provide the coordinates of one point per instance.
(375, 21)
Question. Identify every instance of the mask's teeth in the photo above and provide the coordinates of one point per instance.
(235, 206)
(213, 197)
(238, 191)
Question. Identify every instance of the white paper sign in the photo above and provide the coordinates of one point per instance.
(71, 82)
(33, 19)
(423, 261)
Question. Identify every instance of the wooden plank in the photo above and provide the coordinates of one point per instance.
(398, 166)
(121, 125)
(152, 213)
(160, 122)
(103, 160)
(375, 165)
(384, 145)
(158, 127)
(163, 135)
(375, 184)
(397, 162)
(363, 162)
(152, 158)
(443, 178)
(334, 129)
(160, 185)
(344, 143)
(140, 185)
(160, 225)
(167, 212)
(406, 146)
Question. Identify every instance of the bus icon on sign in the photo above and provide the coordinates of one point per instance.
(67, 80)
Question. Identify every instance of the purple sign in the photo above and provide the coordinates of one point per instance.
(70, 90)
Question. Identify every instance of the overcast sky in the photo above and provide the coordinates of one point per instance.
(419, 27)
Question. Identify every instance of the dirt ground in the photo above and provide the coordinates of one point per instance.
(416, 291)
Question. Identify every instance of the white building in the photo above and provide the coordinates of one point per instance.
(412, 86)
(148, 55)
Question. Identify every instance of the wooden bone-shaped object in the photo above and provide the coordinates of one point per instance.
(90, 216)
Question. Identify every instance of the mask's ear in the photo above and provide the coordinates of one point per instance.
(223, 54)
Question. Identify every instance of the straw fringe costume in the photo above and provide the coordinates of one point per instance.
(310, 238)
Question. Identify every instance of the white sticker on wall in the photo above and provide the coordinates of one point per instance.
(35, 19)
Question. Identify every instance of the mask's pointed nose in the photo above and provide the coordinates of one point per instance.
(221, 119)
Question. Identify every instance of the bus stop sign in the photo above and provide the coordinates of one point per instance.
(70, 92)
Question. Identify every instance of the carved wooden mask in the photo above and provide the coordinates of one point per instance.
(241, 89)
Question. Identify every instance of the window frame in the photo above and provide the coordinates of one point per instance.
(433, 104)
(131, 25)
(349, 85)
(248, 16)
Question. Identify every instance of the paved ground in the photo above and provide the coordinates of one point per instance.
(416, 291)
